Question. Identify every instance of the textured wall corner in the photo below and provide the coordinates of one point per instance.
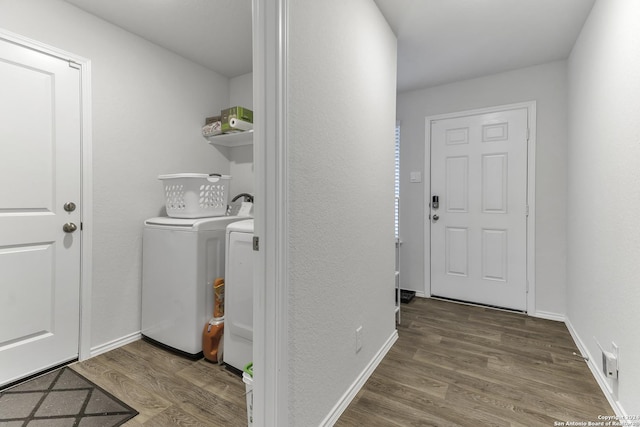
(342, 77)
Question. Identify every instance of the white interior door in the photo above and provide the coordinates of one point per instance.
(40, 159)
(479, 230)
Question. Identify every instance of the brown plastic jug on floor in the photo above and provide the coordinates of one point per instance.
(212, 343)
(212, 333)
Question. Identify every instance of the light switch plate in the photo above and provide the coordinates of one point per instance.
(415, 177)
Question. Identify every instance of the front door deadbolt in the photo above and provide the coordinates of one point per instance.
(435, 202)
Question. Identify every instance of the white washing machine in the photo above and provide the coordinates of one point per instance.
(238, 302)
(180, 260)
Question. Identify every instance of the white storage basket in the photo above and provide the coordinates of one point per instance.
(195, 195)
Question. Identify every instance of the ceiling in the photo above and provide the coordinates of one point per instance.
(439, 41)
(442, 41)
(213, 33)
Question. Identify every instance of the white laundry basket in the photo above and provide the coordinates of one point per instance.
(195, 195)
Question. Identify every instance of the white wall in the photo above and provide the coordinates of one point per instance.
(241, 158)
(603, 296)
(148, 109)
(545, 84)
(342, 65)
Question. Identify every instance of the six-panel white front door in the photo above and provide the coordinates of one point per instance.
(479, 230)
(40, 149)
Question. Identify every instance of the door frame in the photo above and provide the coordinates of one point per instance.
(271, 220)
(86, 182)
(530, 106)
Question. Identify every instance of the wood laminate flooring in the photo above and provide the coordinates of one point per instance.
(166, 389)
(460, 365)
(453, 365)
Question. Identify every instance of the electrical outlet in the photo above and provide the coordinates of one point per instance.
(609, 361)
(358, 338)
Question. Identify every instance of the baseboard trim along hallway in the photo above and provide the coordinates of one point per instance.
(350, 394)
(549, 316)
(602, 381)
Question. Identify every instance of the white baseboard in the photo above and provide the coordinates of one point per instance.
(112, 345)
(549, 316)
(348, 396)
(603, 382)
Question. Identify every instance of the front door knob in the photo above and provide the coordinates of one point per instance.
(69, 227)
(435, 217)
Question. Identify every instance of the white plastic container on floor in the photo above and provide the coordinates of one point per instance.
(247, 378)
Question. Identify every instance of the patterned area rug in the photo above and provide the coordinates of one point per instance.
(59, 399)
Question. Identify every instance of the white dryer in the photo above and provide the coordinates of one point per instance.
(180, 260)
(238, 302)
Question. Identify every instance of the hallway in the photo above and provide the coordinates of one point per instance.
(458, 365)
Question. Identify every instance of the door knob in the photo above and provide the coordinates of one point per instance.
(69, 206)
(69, 227)
(435, 217)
